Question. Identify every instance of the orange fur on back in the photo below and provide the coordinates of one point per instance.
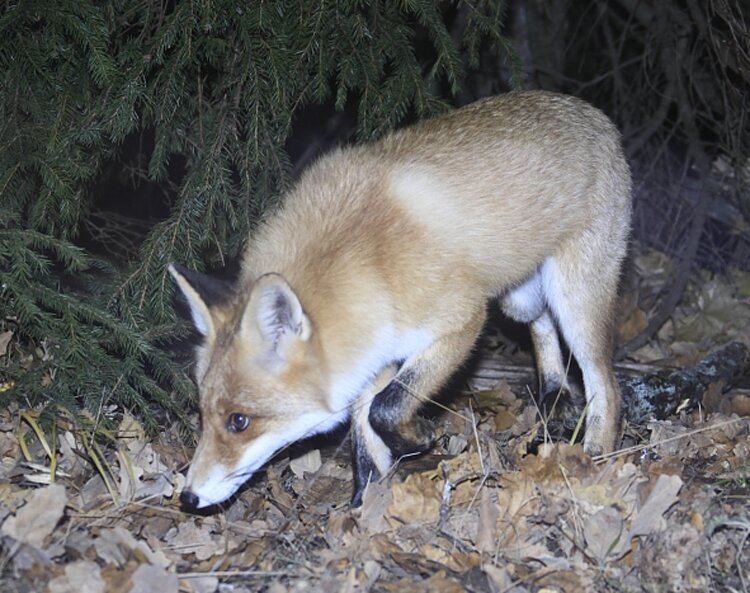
(387, 253)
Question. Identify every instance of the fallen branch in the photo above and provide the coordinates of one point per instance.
(660, 395)
(648, 392)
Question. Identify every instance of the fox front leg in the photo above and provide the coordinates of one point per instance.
(371, 457)
(385, 424)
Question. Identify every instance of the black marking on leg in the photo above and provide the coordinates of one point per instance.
(549, 387)
(387, 418)
(557, 401)
(364, 467)
(386, 408)
(560, 409)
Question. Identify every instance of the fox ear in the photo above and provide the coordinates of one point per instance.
(200, 292)
(275, 313)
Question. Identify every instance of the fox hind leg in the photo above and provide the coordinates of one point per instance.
(580, 284)
(527, 303)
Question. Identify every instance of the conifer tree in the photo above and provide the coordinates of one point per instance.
(208, 91)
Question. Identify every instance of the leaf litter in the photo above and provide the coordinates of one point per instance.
(493, 508)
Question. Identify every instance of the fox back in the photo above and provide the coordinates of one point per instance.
(367, 287)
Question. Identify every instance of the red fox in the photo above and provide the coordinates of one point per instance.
(368, 286)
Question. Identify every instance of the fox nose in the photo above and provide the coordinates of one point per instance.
(189, 500)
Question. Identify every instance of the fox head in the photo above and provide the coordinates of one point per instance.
(261, 377)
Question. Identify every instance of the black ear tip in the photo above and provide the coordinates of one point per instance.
(175, 268)
(211, 290)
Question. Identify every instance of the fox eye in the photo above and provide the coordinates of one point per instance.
(237, 422)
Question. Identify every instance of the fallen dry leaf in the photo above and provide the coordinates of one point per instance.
(82, 576)
(191, 538)
(456, 444)
(636, 322)
(142, 473)
(483, 516)
(280, 496)
(148, 578)
(604, 533)
(486, 540)
(206, 584)
(415, 500)
(310, 462)
(38, 518)
(674, 560)
(504, 419)
(650, 517)
(118, 544)
(557, 461)
(118, 578)
(377, 498)
(67, 459)
(717, 313)
(5, 338)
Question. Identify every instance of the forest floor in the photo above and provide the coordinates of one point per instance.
(491, 509)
